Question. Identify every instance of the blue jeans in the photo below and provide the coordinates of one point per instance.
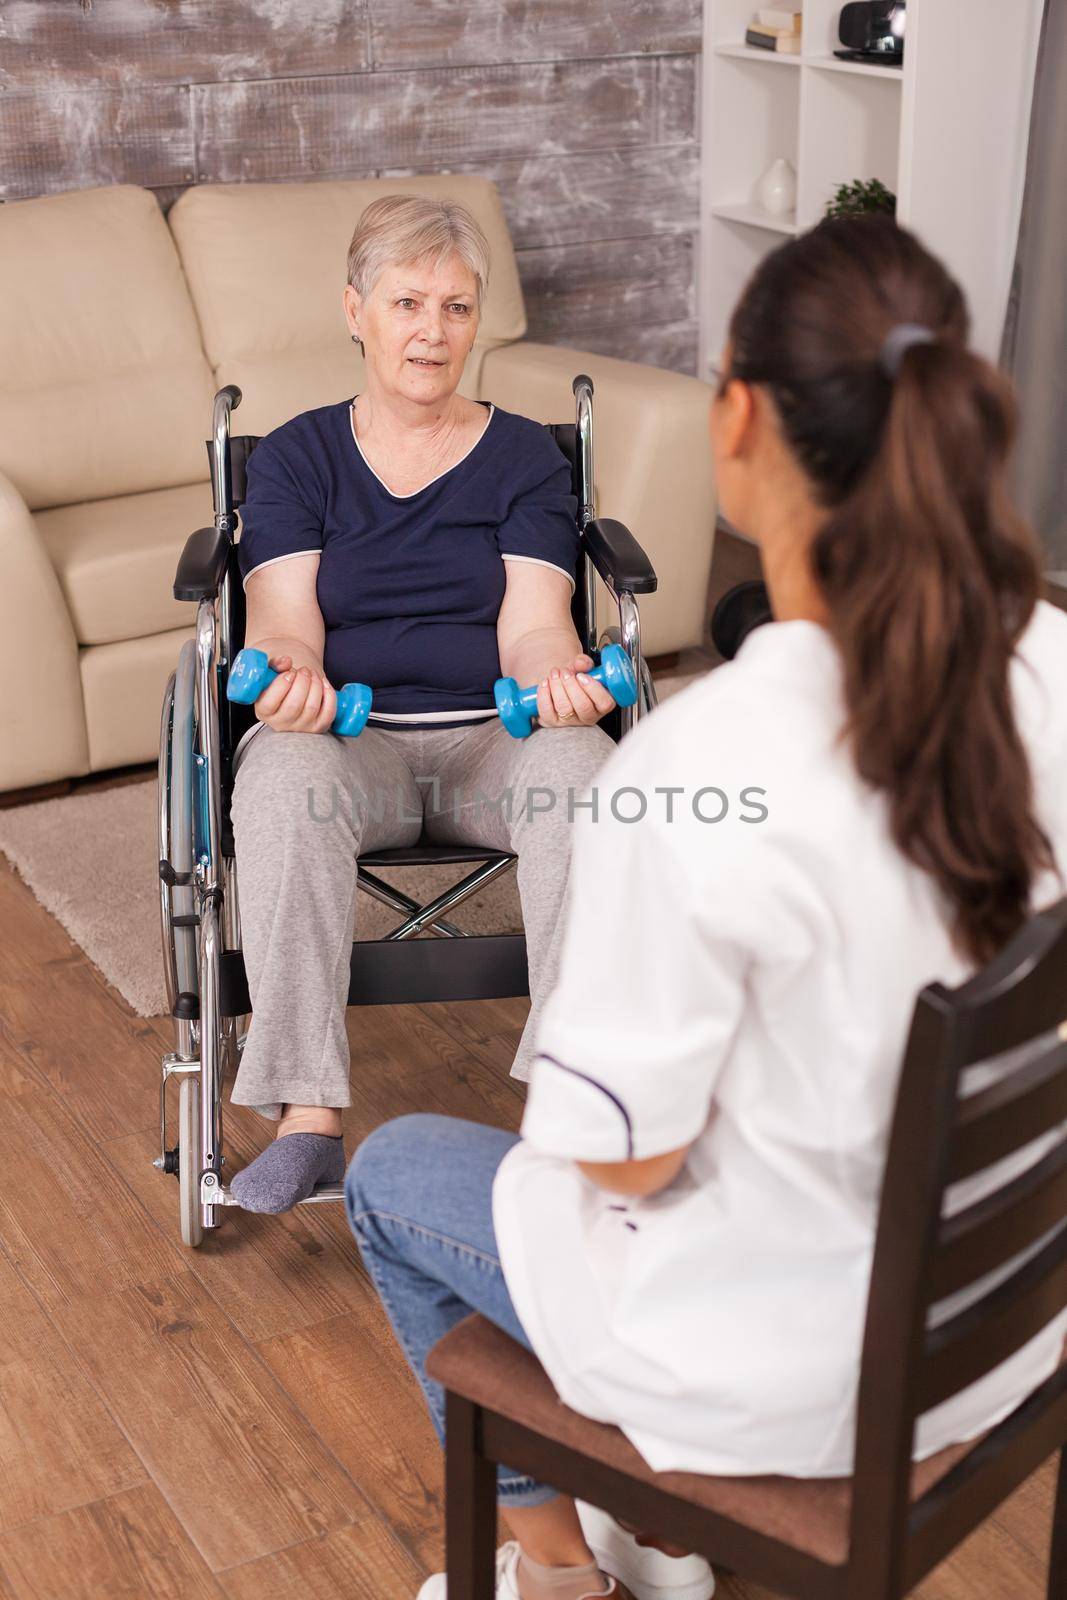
(418, 1196)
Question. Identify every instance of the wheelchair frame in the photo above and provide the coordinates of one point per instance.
(199, 913)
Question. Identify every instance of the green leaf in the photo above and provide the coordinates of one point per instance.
(861, 196)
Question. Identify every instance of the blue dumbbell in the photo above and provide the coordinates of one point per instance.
(251, 673)
(518, 707)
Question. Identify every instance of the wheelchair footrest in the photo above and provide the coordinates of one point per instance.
(221, 1195)
(398, 972)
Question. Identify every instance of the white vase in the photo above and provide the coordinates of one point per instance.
(776, 191)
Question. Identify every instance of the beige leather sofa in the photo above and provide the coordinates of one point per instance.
(116, 328)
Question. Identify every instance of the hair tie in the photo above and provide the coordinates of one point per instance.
(901, 338)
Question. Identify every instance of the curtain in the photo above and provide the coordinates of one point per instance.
(1034, 350)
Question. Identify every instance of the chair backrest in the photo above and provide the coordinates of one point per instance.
(265, 263)
(104, 385)
(974, 1205)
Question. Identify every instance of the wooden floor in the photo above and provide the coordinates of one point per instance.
(234, 1421)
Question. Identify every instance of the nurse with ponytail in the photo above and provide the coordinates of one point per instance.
(683, 1233)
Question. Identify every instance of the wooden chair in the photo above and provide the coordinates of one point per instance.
(874, 1536)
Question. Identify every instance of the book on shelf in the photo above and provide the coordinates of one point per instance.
(774, 17)
(772, 33)
(768, 39)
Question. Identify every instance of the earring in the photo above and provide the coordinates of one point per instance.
(357, 340)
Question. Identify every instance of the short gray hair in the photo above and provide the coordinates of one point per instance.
(409, 228)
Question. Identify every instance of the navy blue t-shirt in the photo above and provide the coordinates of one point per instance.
(410, 585)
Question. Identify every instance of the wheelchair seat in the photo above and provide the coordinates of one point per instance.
(430, 855)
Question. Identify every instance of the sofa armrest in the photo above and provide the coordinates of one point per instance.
(202, 565)
(42, 720)
(618, 557)
(652, 464)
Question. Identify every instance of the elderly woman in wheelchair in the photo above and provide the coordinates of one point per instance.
(422, 543)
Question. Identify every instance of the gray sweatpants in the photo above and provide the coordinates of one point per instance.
(304, 807)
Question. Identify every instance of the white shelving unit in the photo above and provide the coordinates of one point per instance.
(946, 133)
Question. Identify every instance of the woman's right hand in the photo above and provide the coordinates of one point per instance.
(300, 700)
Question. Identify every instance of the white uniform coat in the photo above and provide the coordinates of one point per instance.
(746, 984)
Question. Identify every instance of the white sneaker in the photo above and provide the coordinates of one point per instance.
(647, 1573)
(507, 1581)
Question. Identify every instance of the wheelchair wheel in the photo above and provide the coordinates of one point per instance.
(740, 609)
(181, 840)
(647, 698)
(189, 1160)
(183, 810)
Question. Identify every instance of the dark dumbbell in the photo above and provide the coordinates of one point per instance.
(518, 707)
(251, 673)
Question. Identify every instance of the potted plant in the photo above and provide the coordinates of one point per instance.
(853, 199)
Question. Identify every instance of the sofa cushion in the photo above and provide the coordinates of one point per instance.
(116, 559)
(104, 388)
(266, 268)
(123, 685)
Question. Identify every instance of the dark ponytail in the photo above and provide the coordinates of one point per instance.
(928, 574)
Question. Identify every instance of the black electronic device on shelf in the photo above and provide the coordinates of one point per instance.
(872, 30)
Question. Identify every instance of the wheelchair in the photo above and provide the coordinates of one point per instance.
(200, 729)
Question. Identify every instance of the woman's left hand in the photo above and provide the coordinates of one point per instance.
(567, 698)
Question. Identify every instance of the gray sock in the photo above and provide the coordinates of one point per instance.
(288, 1170)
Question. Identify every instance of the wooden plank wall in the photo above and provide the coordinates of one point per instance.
(583, 111)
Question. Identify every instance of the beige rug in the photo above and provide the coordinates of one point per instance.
(90, 859)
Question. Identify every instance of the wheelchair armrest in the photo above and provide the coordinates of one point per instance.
(202, 565)
(618, 557)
